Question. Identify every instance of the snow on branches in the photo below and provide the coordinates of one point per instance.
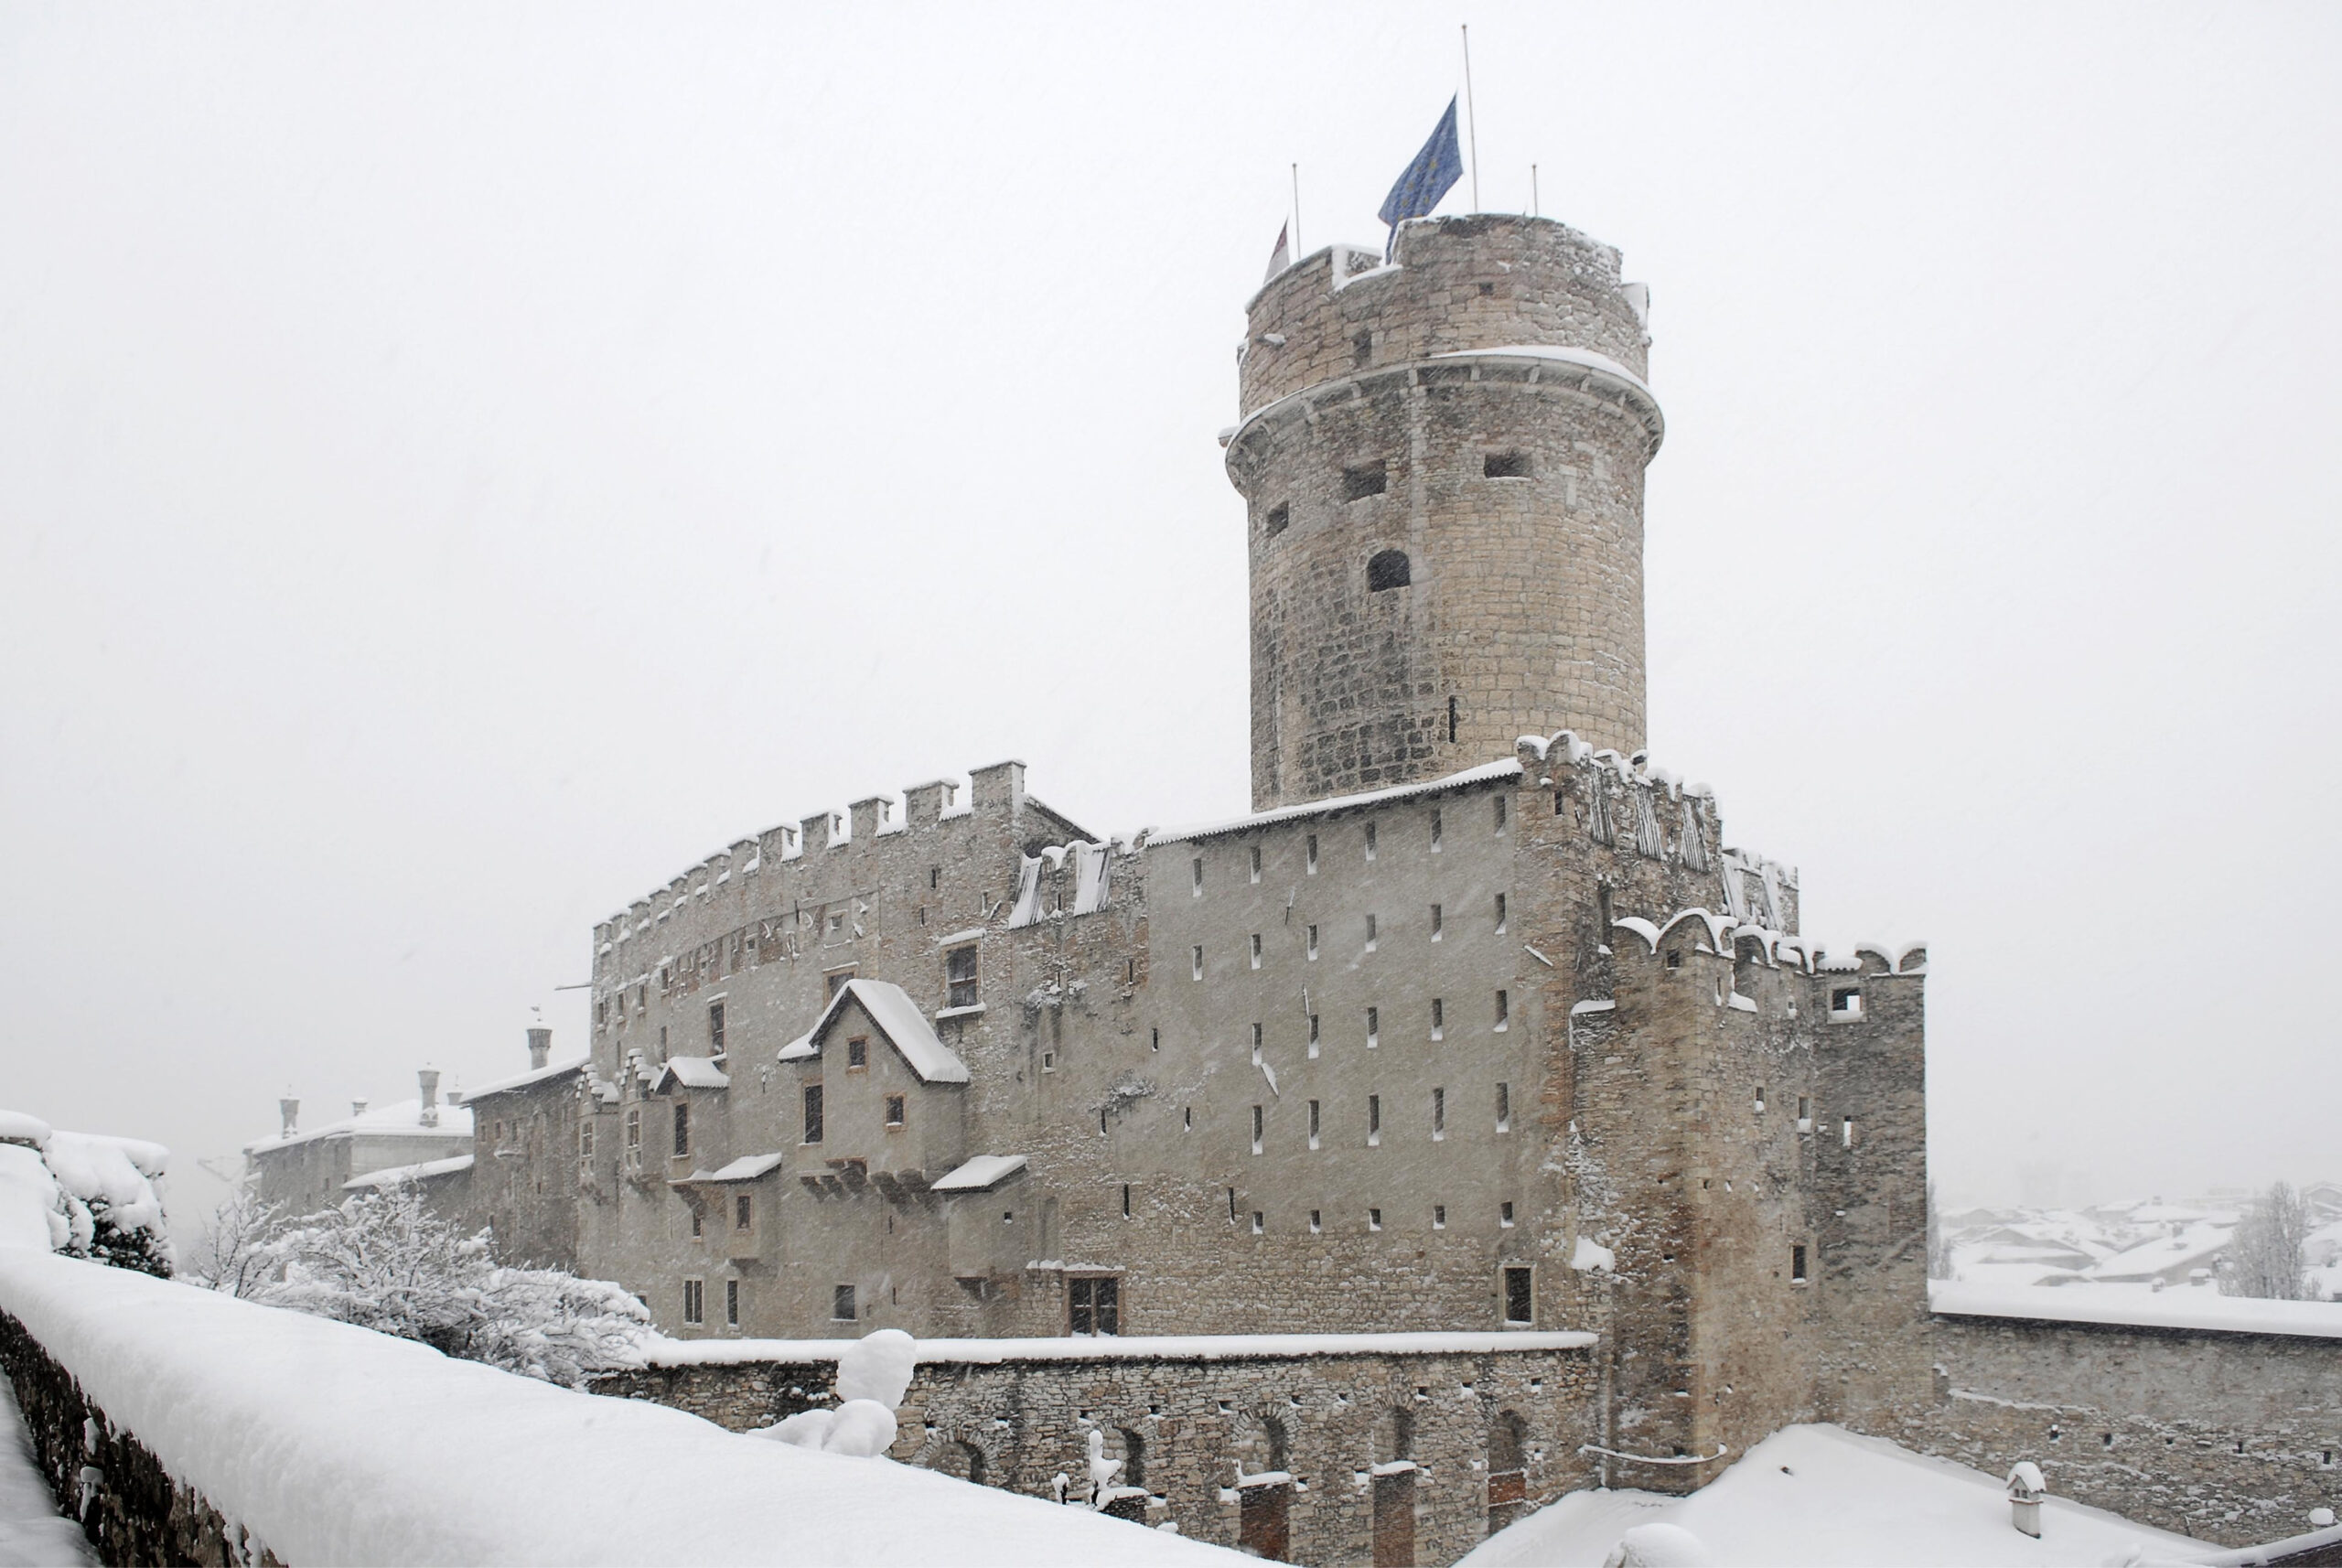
(383, 1260)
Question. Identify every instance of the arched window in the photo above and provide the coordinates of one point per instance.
(1388, 570)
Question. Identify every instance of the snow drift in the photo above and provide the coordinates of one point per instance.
(334, 1445)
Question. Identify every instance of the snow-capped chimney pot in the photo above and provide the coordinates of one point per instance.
(429, 1079)
(540, 1045)
(291, 1111)
(358, 1107)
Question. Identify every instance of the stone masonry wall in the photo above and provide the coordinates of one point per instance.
(2231, 1437)
(1186, 1427)
(132, 1511)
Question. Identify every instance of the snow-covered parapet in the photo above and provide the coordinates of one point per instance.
(329, 1444)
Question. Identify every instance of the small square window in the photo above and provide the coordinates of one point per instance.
(1279, 518)
(1365, 480)
(1845, 1005)
(842, 1305)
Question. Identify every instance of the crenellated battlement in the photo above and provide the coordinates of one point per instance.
(1720, 936)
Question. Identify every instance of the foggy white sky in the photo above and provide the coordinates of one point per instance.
(457, 469)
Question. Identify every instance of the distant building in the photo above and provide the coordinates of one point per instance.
(299, 1172)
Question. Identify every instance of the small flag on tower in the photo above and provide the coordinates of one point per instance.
(1282, 257)
(1432, 175)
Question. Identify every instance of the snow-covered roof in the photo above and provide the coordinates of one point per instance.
(2195, 1245)
(533, 1077)
(376, 1180)
(748, 1167)
(1134, 1346)
(402, 1119)
(693, 1072)
(898, 1018)
(983, 1171)
(15, 1127)
(1486, 773)
(2203, 1309)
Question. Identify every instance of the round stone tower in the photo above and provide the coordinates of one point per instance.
(1442, 462)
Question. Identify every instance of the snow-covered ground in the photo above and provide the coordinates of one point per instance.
(32, 1535)
(1812, 1496)
(332, 1444)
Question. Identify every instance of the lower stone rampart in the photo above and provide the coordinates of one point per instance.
(132, 1511)
(2231, 1437)
(1423, 1451)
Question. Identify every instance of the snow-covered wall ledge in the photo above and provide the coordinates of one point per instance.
(313, 1441)
(1127, 1348)
(2195, 1310)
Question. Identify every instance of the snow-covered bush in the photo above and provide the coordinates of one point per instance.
(383, 1260)
(98, 1200)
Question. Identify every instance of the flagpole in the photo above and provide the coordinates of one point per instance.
(1297, 251)
(1471, 118)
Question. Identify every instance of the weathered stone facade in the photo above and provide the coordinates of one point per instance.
(1332, 1449)
(1443, 466)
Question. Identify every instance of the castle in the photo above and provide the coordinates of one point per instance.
(1477, 1022)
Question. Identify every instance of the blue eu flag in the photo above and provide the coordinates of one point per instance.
(1432, 175)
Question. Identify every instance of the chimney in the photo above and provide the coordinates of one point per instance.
(358, 1107)
(291, 1111)
(540, 1045)
(428, 1078)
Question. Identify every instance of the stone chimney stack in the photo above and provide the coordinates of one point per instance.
(428, 1078)
(291, 1111)
(540, 1046)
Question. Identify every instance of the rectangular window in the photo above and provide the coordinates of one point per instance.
(1196, 870)
(682, 1130)
(857, 1053)
(934, 877)
(894, 1111)
(1363, 350)
(1845, 1005)
(1796, 1265)
(1504, 1011)
(1374, 1220)
(694, 1301)
(1504, 1215)
(812, 1112)
(1316, 1221)
(1369, 840)
(1313, 944)
(1256, 862)
(1256, 1045)
(1126, 1200)
(1435, 821)
(744, 1212)
(1439, 1114)
(1848, 1132)
(1258, 1118)
(1195, 963)
(1260, 1222)
(1504, 465)
(1312, 854)
(1312, 1123)
(960, 977)
(1438, 921)
(1279, 517)
(732, 1303)
(1504, 1108)
(1093, 1306)
(1373, 1119)
(1313, 1035)
(841, 1305)
(1366, 479)
(1500, 812)
(586, 1140)
(1438, 1019)
(716, 1028)
(1500, 914)
(1371, 929)
(1256, 949)
(1520, 1301)
(699, 1224)
(1760, 1099)
(1373, 1027)
(634, 1129)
